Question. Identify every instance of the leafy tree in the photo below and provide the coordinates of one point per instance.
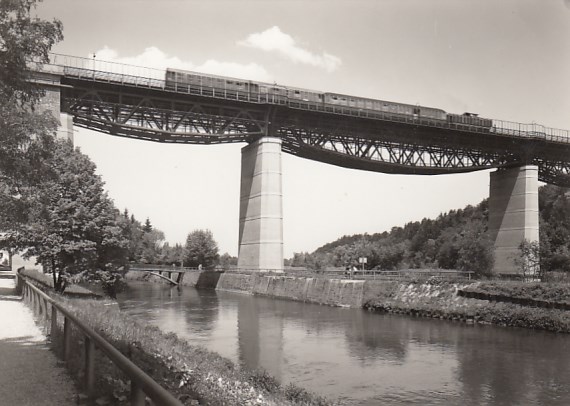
(227, 261)
(151, 247)
(74, 228)
(26, 135)
(23, 39)
(201, 249)
(554, 204)
(476, 252)
(529, 259)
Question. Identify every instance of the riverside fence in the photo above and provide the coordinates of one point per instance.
(141, 385)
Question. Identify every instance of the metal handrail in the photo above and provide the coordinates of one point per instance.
(141, 383)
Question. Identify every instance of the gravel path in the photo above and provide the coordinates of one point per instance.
(29, 373)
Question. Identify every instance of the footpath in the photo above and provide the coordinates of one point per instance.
(29, 371)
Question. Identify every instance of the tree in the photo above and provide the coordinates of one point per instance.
(528, 260)
(147, 228)
(201, 249)
(74, 228)
(151, 251)
(476, 253)
(227, 261)
(23, 39)
(26, 135)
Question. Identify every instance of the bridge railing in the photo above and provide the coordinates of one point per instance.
(164, 268)
(532, 130)
(361, 274)
(142, 385)
(105, 68)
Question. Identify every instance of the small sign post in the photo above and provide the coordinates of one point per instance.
(362, 260)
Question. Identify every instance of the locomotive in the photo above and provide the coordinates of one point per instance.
(260, 92)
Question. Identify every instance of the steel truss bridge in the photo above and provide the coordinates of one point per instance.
(134, 102)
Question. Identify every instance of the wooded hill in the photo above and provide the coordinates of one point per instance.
(454, 240)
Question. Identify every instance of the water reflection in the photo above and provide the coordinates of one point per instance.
(365, 358)
(260, 338)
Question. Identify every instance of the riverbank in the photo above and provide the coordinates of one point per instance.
(428, 298)
(193, 374)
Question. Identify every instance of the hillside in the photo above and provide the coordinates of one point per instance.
(454, 240)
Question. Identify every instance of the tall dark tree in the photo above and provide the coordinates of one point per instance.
(147, 228)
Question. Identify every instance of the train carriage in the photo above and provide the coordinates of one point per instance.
(260, 92)
(469, 119)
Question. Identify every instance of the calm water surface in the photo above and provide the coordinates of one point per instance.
(364, 358)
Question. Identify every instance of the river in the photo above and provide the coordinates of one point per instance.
(364, 358)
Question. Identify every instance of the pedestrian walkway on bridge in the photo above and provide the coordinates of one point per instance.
(29, 372)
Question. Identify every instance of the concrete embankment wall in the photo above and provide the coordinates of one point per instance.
(334, 292)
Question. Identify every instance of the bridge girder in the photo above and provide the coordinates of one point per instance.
(374, 145)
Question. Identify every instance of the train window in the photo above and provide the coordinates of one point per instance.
(334, 98)
(320, 96)
(416, 110)
(230, 82)
(297, 92)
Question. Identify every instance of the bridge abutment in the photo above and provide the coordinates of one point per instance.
(513, 214)
(261, 207)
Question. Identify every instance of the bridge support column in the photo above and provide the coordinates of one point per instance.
(50, 79)
(261, 208)
(513, 214)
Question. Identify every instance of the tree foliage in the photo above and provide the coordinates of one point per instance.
(26, 140)
(201, 249)
(454, 240)
(24, 38)
(74, 227)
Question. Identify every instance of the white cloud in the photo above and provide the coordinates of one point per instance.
(273, 39)
(154, 58)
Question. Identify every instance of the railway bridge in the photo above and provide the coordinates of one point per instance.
(134, 102)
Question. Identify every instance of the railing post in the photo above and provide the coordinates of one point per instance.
(53, 321)
(89, 367)
(46, 309)
(66, 339)
(137, 395)
(33, 301)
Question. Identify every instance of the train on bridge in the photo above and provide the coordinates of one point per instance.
(246, 90)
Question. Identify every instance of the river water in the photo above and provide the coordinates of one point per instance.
(365, 358)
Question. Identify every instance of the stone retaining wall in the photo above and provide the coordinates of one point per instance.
(334, 292)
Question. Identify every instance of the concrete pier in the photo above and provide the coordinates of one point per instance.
(261, 207)
(513, 214)
(50, 80)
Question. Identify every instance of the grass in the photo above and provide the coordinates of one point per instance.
(552, 292)
(439, 299)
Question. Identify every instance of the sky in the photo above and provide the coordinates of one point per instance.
(507, 59)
